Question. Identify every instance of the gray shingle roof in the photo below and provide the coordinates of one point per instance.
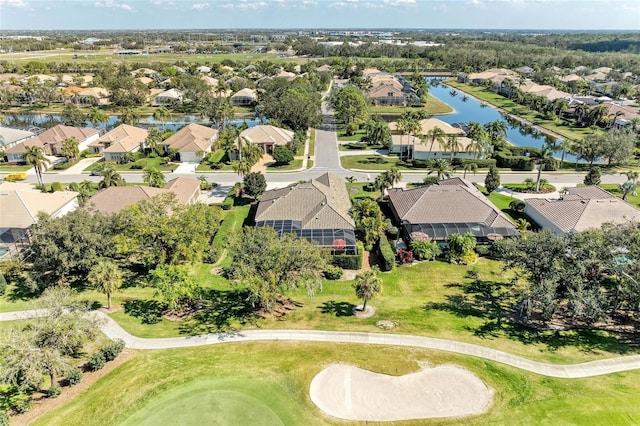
(321, 203)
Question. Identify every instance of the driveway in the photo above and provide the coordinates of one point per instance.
(77, 168)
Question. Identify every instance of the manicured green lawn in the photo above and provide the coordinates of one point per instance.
(351, 138)
(149, 162)
(7, 168)
(432, 107)
(370, 162)
(357, 146)
(268, 383)
(548, 187)
(614, 188)
(356, 191)
(565, 129)
(312, 142)
(294, 165)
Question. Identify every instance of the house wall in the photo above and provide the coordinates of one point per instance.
(67, 208)
(192, 157)
(542, 220)
(424, 155)
(15, 158)
(116, 156)
(85, 144)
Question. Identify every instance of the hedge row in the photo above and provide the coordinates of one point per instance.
(387, 255)
(349, 261)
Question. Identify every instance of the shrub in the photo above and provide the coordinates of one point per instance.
(492, 181)
(54, 391)
(139, 165)
(4, 418)
(333, 272)
(387, 256)
(20, 403)
(517, 206)
(349, 261)
(593, 176)
(420, 164)
(390, 229)
(74, 376)
(111, 350)
(3, 285)
(56, 186)
(282, 155)
(96, 361)
(430, 180)
(405, 256)
(425, 250)
(351, 129)
(461, 249)
(482, 164)
(61, 166)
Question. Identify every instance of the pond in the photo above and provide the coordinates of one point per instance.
(27, 120)
(468, 109)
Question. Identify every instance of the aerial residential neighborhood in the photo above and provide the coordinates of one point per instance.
(308, 227)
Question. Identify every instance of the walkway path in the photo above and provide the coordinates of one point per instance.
(588, 369)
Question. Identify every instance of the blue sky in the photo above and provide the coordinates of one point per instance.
(183, 14)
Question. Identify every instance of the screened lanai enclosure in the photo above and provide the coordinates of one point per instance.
(339, 241)
(442, 231)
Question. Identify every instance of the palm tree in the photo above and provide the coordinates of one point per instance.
(546, 156)
(402, 126)
(565, 146)
(153, 177)
(453, 144)
(596, 114)
(110, 177)
(129, 116)
(631, 175)
(105, 277)
(581, 111)
(496, 131)
(522, 225)
(161, 114)
(478, 138)
(395, 175)
(97, 117)
(435, 134)
(628, 188)
(414, 128)
(34, 155)
(442, 168)
(70, 148)
(469, 167)
(153, 140)
(367, 285)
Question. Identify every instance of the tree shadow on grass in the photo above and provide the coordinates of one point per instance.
(492, 302)
(148, 311)
(220, 310)
(339, 309)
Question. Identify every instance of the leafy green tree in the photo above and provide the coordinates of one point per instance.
(129, 116)
(97, 117)
(349, 105)
(106, 277)
(522, 225)
(369, 221)
(593, 176)
(218, 110)
(173, 284)
(618, 146)
(425, 250)
(178, 238)
(73, 116)
(492, 181)
(70, 148)
(282, 155)
(153, 140)
(153, 177)
(462, 248)
(469, 167)
(268, 266)
(34, 156)
(65, 249)
(367, 285)
(628, 188)
(254, 184)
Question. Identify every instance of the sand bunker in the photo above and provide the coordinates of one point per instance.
(351, 393)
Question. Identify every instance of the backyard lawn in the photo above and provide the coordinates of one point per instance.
(614, 188)
(433, 106)
(268, 383)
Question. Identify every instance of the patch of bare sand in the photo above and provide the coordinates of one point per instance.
(351, 393)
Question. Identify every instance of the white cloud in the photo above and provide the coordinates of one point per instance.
(162, 3)
(200, 6)
(244, 5)
(114, 5)
(19, 4)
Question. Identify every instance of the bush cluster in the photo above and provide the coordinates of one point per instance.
(96, 361)
(54, 391)
(387, 255)
(111, 350)
(74, 376)
(333, 272)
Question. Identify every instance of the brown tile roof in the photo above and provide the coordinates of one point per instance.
(584, 208)
(449, 201)
(184, 188)
(384, 91)
(123, 138)
(267, 134)
(191, 138)
(321, 203)
(54, 137)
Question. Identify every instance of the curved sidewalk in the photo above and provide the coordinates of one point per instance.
(571, 371)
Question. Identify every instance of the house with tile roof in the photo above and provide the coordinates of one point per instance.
(117, 142)
(451, 206)
(191, 142)
(388, 95)
(20, 204)
(317, 210)
(244, 97)
(51, 141)
(267, 136)
(11, 137)
(116, 198)
(420, 146)
(580, 209)
(169, 97)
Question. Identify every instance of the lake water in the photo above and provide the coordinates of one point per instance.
(25, 121)
(468, 109)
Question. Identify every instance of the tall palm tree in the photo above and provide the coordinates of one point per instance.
(402, 126)
(395, 175)
(478, 138)
(153, 140)
(105, 277)
(453, 144)
(153, 177)
(129, 116)
(413, 129)
(631, 175)
(161, 114)
(565, 146)
(581, 111)
(433, 135)
(522, 225)
(367, 285)
(442, 168)
(597, 113)
(97, 117)
(496, 131)
(34, 155)
(110, 177)
(469, 167)
(70, 148)
(546, 155)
